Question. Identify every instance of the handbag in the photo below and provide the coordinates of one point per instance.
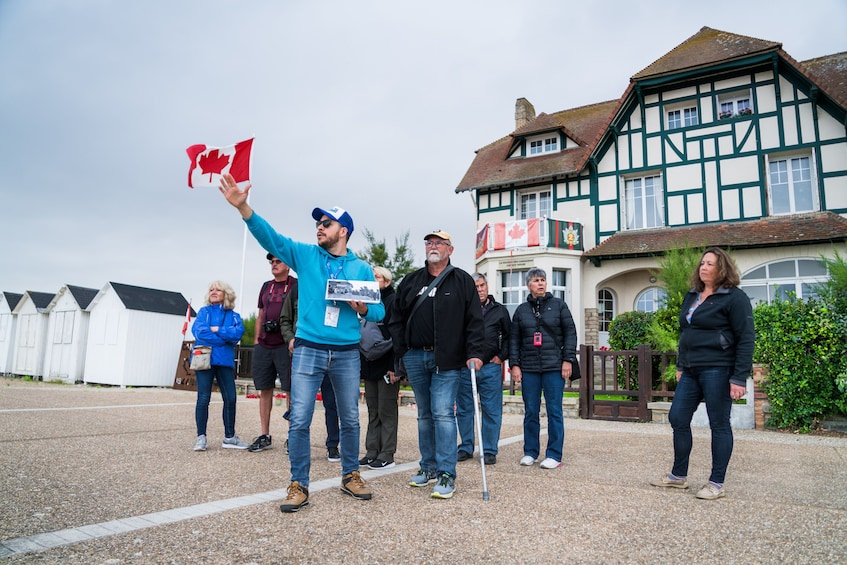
(373, 343)
(201, 358)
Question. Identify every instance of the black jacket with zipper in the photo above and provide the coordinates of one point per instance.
(553, 315)
(720, 334)
(459, 333)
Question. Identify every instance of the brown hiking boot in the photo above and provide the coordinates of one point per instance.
(354, 485)
(297, 498)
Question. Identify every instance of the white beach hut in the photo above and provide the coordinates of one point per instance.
(30, 333)
(8, 323)
(67, 333)
(134, 336)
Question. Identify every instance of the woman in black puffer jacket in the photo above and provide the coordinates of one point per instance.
(542, 355)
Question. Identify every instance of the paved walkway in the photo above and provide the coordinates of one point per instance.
(103, 475)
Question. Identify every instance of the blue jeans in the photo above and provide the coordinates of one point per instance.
(552, 385)
(309, 366)
(712, 386)
(226, 383)
(489, 386)
(330, 412)
(435, 396)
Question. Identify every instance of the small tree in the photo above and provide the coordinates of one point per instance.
(249, 336)
(377, 255)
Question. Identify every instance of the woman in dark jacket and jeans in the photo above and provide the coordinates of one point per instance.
(715, 358)
(542, 355)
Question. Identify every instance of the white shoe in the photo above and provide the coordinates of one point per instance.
(550, 464)
(527, 460)
(200, 444)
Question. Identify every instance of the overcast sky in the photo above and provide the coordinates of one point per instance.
(375, 106)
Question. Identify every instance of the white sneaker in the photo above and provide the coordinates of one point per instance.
(550, 464)
(200, 444)
(527, 460)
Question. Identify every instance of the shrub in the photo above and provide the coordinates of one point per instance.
(627, 331)
(803, 344)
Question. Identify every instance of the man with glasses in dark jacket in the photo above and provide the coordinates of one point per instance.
(436, 327)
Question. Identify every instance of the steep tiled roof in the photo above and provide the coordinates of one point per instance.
(706, 47)
(830, 72)
(12, 299)
(82, 295)
(150, 299)
(491, 168)
(40, 299)
(798, 229)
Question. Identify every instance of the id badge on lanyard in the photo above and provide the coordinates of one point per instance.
(333, 312)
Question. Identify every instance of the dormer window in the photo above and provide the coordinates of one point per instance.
(735, 104)
(541, 145)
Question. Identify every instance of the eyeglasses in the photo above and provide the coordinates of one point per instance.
(274, 261)
(439, 243)
(325, 223)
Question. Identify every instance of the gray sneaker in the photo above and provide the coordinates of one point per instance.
(234, 443)
(200, 444)
(445, 486)
(422, 478)
(667, 481)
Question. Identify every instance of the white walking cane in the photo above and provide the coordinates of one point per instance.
(478, 418)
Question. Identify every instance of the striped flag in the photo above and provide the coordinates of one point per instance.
(564, 235)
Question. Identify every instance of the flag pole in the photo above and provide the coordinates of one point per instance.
(243, 261)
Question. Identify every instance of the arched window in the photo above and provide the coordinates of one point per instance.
(775, 281)
(650, 299)
(605, 308)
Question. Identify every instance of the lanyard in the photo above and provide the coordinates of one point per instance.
(329, 272)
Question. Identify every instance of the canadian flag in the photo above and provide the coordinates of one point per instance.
(208, 164)
(519, 233)
(187, 319)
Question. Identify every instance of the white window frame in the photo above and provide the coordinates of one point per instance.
(682, 117)
(557, 284)
(792, 166)
(513, 289)
(644, 200)
(543, 144)
(606, 306)
(772, 281)
(543, 208)
(735, 104)
(653, 297)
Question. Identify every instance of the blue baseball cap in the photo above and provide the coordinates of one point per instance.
(340, 215)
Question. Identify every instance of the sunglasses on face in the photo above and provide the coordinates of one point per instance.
(325, 223)
(274, 261)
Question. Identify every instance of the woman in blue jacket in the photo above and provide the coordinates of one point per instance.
(715, 358)
(218, 326)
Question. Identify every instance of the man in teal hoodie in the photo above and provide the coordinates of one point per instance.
(327, 339)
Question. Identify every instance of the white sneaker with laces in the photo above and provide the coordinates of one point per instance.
(527, 460)
(550, 463)
(200, 444)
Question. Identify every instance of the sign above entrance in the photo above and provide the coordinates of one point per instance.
(516, 264)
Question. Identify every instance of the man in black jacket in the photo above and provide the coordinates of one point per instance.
(489, 379)
(436, 325)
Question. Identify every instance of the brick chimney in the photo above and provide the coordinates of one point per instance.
(524, 113)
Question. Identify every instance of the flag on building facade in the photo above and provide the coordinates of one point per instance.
(518, 233)
(482, 241)
(208, 164)
(564, 235)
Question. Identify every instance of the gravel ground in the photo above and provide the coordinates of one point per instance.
(76, 456)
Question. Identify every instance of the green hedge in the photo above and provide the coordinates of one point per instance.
(804, 345)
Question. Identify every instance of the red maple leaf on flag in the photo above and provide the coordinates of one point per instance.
(516, 232)
(213, 163)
